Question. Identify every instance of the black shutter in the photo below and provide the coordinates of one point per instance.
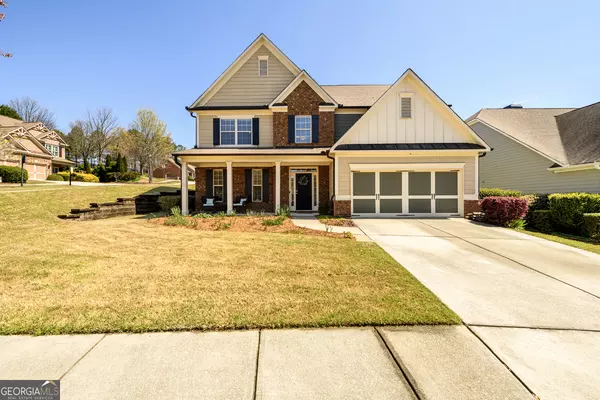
(224, 199)
(209, 183)
(265, 185)
(315, 129)
(291, 129)
(248, 183)
(255, 131)
(216, 131)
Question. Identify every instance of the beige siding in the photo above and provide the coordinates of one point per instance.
(245, 87)
(513, 166)
(205, 127)
(344, 168)
(430, 123)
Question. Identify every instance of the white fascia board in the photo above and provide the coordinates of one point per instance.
(574, 168)
(407, 166)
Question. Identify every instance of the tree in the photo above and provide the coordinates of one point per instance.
(178, 147)
(31, 111)
(103, 125)
(130, 143)
(9, 112)
(80, 142)
(155, 144)
(3, 4)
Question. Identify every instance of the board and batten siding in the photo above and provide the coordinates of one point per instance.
(344, 173)
(246, 88)
(205, 130)
(513, 166)
(429, 123)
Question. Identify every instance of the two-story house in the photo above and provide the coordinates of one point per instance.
(43, 148)
(266, 130)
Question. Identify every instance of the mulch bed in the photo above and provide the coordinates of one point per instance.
(248, 224)
(337, 221)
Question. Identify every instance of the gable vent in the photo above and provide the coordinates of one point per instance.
(406, 107)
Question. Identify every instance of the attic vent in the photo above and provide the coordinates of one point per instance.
(263, 65)
(514, 106)
(406, 107)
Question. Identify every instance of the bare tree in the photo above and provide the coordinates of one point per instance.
(31, 111)
(154, 142)
(80, 141)
(102, 124)
(3, 4)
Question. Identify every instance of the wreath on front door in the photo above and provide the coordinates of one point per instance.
(303, 180)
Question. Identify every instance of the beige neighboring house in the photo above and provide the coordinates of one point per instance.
(268, 132)
(540, 150)
(44, 149)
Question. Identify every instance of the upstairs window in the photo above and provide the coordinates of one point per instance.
(406, 107)
(54, 149)
(303, 126)
(236, 131)
(263, 65)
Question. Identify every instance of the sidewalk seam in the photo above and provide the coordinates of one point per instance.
(502, 361)
(82, 357)
(410, 380)
(256, 370)
(515, 261)
(539, 328)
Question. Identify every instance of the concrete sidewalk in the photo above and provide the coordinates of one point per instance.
(311, 222)
(352, 363)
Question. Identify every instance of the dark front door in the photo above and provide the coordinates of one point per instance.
(303, 192)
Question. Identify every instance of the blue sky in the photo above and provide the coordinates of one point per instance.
(72, 55)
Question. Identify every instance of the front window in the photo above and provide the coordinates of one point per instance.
(303, 134)
(218, 184)
(236, 131)
(54, 149)
(257, 185)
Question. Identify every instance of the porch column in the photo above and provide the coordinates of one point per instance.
(229, 188)
(277, 185)
(184, 189)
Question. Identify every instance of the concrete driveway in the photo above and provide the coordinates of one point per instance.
(535, 303)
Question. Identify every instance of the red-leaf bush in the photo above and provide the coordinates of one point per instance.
(502, 210)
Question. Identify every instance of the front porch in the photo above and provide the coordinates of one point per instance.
(260, 185)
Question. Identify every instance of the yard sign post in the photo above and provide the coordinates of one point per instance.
(23, 159)
(70, 175)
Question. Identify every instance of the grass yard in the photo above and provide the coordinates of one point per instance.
(129, 275)
(569, 240)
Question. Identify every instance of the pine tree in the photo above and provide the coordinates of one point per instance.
(123, 167)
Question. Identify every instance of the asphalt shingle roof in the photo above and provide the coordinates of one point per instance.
(356, 95)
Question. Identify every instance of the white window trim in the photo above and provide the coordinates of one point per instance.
(261, 58)
(309, 129)
(51, 147)
(412, 105)
(221, 185)
(260, 172)
(235, 132)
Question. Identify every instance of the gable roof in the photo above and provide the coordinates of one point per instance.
(453, 115)
(565, 136)
(303, 76)
(24, 140)
(261, 40)
(356, 95)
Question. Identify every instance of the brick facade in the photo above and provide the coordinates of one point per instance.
(323, 185)
(471, 206)
(303, 101)
(342, 208)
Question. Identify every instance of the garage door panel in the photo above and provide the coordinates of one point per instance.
(364, 206)
(419, 183)
(363, 183)
(390, 206)
(446, 206)
(419, 206)
(446, 183)
(390, 183)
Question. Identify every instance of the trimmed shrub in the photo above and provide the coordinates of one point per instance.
(79, 177)
(12, 174)
(168, 203)
(129, 176)
(536, 202)
(541, 220)
(54, 177)
(483, 193)
(591, 225)
(567, 210)
(273, 221)
(503, 210)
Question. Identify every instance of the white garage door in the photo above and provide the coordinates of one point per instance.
(408, 193)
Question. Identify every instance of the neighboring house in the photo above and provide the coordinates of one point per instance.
(170, 170)
(266, 130)
(540, 150)
(44, 149)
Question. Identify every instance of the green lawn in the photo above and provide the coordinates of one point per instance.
(128, 275)
(569, 240)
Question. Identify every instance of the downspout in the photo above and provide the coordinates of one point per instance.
(327, 154)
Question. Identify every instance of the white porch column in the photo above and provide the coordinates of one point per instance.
(277, 185)
(184, 189)
(229, 188)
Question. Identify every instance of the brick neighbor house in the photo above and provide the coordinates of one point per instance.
(170, 170)
(266, 130)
